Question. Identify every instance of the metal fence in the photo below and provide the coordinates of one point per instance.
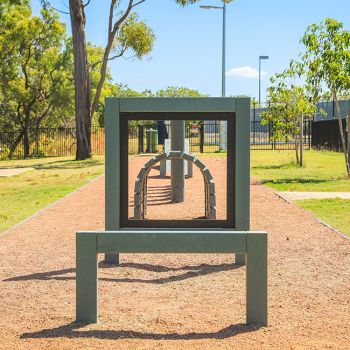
(326, 134)
(261, 137)
(47, 142)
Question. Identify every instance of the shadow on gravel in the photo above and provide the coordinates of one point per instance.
(73, 330)
(189, 271)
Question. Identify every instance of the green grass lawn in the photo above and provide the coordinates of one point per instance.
(323, 171)
(335, 212)
(25, 194)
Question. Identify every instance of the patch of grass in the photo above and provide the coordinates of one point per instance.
(323, 171)
(335, 212)
(52, 178)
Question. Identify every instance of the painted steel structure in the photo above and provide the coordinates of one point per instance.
(124, 235)
(140, 190)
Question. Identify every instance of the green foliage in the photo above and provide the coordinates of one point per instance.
(35, 67)
(288, 105)
(174, 91)
(136, 36)
(186, 2)
(326, 59)
(326, 62)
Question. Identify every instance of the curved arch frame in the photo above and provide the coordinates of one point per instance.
(140, 190)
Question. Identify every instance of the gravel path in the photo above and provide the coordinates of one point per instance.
(174, 301)
(291, 196)
(7, 172)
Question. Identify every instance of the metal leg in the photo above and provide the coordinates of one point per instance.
(162, 166)
(189, 169)
(240, 259)
(112, 259)
(256, 278)
(86, 278)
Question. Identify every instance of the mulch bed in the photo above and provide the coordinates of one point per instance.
(184, 301)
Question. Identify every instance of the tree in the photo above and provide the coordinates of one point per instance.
(178, 91)
(288, 105)
(326, 62)
(34, 69)
(124, 32)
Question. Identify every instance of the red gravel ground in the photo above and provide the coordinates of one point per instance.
(174, 301)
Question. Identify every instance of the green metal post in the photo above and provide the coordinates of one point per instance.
(112, 167)
(177, 165)
(86, 278)
(256, 278)
(242, 169)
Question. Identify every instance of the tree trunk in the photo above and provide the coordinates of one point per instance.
(348, 145)
(301, 137)
(297, 151)
(82, 80)
(296, 141)
(15, 144)
(26, 137)
(346, 148)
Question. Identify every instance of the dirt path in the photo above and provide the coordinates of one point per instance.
(174, 301)
(291, 196)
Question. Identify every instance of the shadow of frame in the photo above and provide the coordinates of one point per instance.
(189, 271)
(74, 330)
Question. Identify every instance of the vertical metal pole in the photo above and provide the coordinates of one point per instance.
(223, 92)
(222, 124)
(259, 82)
(256, 279)
(177, 165)
(301, 139)
(254, 123)
(86, 278)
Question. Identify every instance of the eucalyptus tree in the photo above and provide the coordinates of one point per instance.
(126, 32)
(326, 62)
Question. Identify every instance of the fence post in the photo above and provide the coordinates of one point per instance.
(201, 138)
(254, 122)
(140, 138)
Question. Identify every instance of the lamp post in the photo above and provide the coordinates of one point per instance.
(261, 58)
(222, 132)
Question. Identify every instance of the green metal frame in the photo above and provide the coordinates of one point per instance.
(248, 246)
(252, 244)
(116, 107)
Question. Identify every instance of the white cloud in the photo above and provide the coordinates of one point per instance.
(246, 72)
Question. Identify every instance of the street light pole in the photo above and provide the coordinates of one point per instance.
(261, 58)
(223, 81)
(222, 124)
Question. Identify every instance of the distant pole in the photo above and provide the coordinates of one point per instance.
(222, 124)
(261, 58)
(177, 165)
(259, 82)
(301, 139)
(222, 129)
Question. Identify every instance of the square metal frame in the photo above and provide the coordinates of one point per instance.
(118, 239)
(235, 110)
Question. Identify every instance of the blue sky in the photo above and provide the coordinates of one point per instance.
(188, 44)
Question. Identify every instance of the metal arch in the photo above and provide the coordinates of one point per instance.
(140, 189)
